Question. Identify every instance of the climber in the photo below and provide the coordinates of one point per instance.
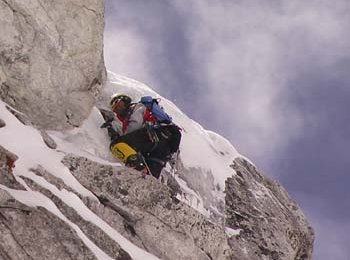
(148, 138)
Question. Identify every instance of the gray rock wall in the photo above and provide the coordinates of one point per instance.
(268, 224)
(51, 70)
(152, 219)
(51, 58)
(271, 224)
(33, 233)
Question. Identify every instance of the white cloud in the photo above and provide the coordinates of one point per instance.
(126, 54)
(246, 52)
(249, 53)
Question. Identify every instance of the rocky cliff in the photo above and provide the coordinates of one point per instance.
(262, 222)
(51, 59)
(271, 224)
(62, 195)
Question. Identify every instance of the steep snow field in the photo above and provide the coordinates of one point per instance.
(200, 149)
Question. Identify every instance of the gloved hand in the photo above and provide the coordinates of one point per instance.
(107, 124)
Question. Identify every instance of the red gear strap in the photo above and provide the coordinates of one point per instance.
(148, 117)
(124, 121)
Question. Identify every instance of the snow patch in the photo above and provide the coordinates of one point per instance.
(36, 199)
(230, 232)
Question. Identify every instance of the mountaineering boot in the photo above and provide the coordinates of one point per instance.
(137, 162)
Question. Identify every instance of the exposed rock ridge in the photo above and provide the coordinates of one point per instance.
(51, 59)
(164, 226)
(269, 224)
(33, 233)
(272, 225)
(142, 210)
(93, 232)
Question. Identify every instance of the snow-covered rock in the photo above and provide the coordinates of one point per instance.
(270, 224)
(153, 219)
(224, 209)
(64, 196)
(205, 157)
(35, 232)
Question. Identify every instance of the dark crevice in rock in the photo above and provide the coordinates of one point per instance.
(25, 211)
(2, 123)
(209, 256)
(3, 216)
(129, 220)
(91, 10)
(69, 117)
(94, 82)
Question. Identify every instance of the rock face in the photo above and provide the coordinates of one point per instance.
(25, 233)
(271, 225)
(51, 59)
(266, 223)
(203, 183)
(51, 69)
(152, 219)
(7, 162)
(33, 233)
(2, 123)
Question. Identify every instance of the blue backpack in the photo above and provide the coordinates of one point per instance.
(157, 111)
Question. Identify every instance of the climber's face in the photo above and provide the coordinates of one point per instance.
(118, 107)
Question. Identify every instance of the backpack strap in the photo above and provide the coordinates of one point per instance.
(152, 104)
(148, 117)
(125, 119)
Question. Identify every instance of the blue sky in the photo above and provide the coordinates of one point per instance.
(270, 76)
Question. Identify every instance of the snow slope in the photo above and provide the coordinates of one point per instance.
(205, 154)
(203, 150)
(199, 148)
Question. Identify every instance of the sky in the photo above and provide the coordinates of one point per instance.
(270, 76)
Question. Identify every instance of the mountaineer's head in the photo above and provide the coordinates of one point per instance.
(120, 103)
